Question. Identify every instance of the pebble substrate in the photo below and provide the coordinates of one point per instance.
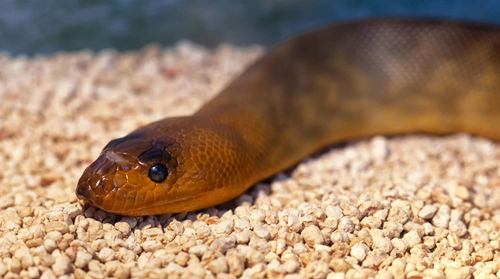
(406, 207)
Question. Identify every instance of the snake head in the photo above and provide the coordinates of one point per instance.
(160, 168)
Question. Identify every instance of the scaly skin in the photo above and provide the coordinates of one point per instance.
(383, 76)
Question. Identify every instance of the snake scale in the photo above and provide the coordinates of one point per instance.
(336, 83)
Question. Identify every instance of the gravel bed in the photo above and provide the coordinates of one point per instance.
(406, 207)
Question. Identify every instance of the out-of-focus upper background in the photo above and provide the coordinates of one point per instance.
(44, 27)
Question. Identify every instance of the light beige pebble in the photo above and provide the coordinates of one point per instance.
(399, 213)
(280, 246)
(291, 265)
(202, 230)
(339, 236)
(33, 272)
(414, 275)
(82, 259)
(399, 245)
(274, 269)
(123, 228)
(454, 241)
(243, 237)
(48, 274)
(173, 268)
(317, 270)
(346, 224)
(62, 265)
(258, 215)
(3, 268)
(198, 250)
(49, 245)
(334, 212)
(106, 254)
(254, 257)
(225, 276)
(453, 272)
(371, 222)
(295, 222)
(224, 227)
(144, 260)
(392, 229)
(427, 212)
(152, 245)
(483, 253)
(241, 224)
(358, 251)
(484, 273)
(433, 273)
(380, 241)
(196, 269)
(272, 217)
(262, 231)
(336, 275)
(223, 244)
(429, 242)
(366, 237)
(384, 274)
(218, 265)
(412, 238)
(312, 235)
(442, 217)
(235, 262)
(478, 234)
(271, 256)
(379, 148)
(351, 210)
(300, 248)
(260, 244)
(14, 265)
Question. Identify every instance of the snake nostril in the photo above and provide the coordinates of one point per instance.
(82, 191)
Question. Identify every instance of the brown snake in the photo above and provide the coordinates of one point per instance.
(341, 82)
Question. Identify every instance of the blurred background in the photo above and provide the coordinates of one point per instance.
(44, 27)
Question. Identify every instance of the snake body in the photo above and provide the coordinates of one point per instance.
(341, 82)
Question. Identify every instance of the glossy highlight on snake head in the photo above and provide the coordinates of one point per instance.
(341, 82)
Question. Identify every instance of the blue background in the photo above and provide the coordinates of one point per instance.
(42, 27)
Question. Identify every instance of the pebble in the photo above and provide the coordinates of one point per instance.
(427, 212)
(358, 251)
(380, 241)
(312, 235)
(198, 250)
(261, 231)
(123, 228)
(106, 254)
(224, 227)
(152, 245)
(62, 265)
(316, 270)
(218, 265)
(442, 217)
(334, 212)
(412, 238)
(346, 225)
(82, 259)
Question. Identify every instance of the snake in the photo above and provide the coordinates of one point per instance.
(341, 82)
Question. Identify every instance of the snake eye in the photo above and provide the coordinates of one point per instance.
(158, 173)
